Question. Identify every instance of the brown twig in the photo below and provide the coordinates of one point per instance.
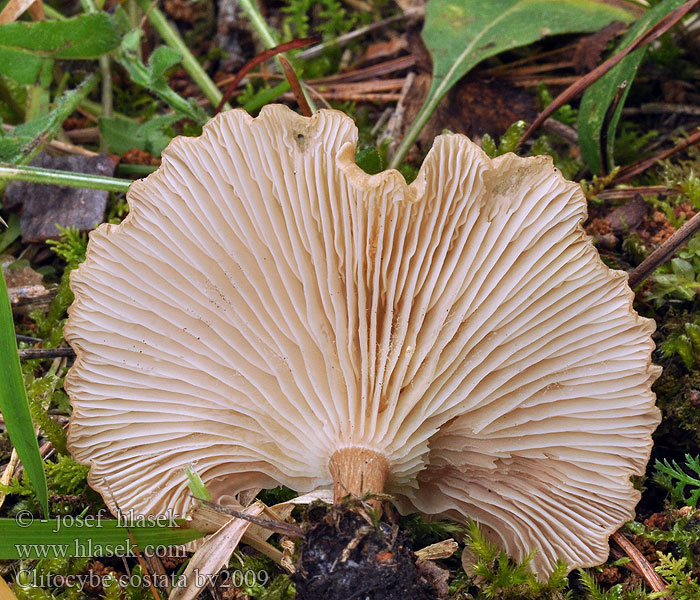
(663, 108)
(649, 190)
(504, 71)
(617, 554)
(664, 252)
(316, 94)
(44, 353)
(587, 80)
(641, 166)
(27, 339)
(85, 135)
(293, 80)
(384, 68)
(60, 146)
(260, 58)
(568, 49)
(529, 81)
(393, 128)
(652, 577)
(352, 97)
(346, 38)
(562, 130)
(276, 526)
(357, 87)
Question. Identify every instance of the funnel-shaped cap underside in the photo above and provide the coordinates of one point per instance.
(267, 303)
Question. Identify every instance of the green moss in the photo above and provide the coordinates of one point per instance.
(681, 583)
(67, 481)
(70, 247)
(41, 392)
(497, 576)
(423, 532)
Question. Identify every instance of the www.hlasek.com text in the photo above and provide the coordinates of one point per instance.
(88, 548)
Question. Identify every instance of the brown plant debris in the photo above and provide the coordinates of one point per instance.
(139, 157)
(590, 48)
(629, 216)
(473, 107)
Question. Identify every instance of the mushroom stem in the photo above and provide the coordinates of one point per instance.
(357, 471)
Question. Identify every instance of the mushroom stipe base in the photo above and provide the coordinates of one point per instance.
(358, 471)
(346, 556)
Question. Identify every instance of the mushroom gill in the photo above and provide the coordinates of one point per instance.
(273, 315)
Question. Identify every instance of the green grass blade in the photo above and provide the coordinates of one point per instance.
(13, 402)
(598, 98)
(12, 172)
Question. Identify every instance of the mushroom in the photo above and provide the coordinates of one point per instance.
(271, 314)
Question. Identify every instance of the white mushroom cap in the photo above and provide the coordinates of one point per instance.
(268, 309)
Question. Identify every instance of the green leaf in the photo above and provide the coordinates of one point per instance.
(461, 33)
(153, 77)
(13, 403)
(25, 141)
(674, 479)
(25, 537)
(162, 59)
(12, 232)
(196, 485)
(369, 160)
(26, 46)
(125, 134)
(599, 96)
(682, 268)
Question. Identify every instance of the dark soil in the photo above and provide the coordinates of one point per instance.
(346, 556)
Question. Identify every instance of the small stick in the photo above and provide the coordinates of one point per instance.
(384, 68)
(664, 252)
(276, 526)
(394, 126)
(508, 70)
(314, 92)
(380, 97)
(260, 58)
(563, 131)
(371, 85)
(652, 577)
(649, 190)
(346, 38)
(85, 135)
(27, 339)
(584, 82)
(67, 148)
(293, 80)
(44, 353)
(637, 168)
(663, 108)
(60, 146)
(381, 121)
(8, 473)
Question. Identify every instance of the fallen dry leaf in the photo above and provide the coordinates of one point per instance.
(212, 555)
(590, 48)
(14, 9)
